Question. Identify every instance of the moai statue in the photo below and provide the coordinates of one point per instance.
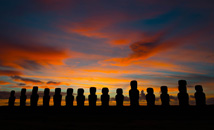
(200, 97)
(183, 96)
(134, 94)
(34, 97)
(105, 97)
(57, 98)
(92, 97)
(69, 99)
(12, 98)
(46, 97)
(80, 97)
(164, 96)
(23, 97)
(119, 97)
(150, 97)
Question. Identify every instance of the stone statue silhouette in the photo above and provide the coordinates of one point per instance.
(12, 99)
(105, 97)
(119, 97)
(200, 97)
(150, 97)
(92, 98)
(134, 94)
(34, 97)
(57, 98)
(23, 97)
(46, 97)
(69, 99)
(164, 96)
(183, 96)
(80, 97)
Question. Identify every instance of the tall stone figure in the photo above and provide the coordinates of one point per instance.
(119, 97)
(105, 97)
(200, 97)
(80, 97)
(12, 99)
(46, 97)
(23, 97)
(92, 97)
(150, 97)
(57, 98)
(34, 97)
(134, 94)
(164, 96)
(69, 99)
(183, 96)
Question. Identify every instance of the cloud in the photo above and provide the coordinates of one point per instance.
(9, 72)
(4, 83)
(126, 98)
(53, 83)
(4, 94)
(210, 101)
(173, 98)
(192, 96)
(26, 80)
(195, 78)
(21, 84)
(22, 55)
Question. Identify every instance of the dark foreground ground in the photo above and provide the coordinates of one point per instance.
(98, 118)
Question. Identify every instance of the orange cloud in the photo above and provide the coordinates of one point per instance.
(151, 45)
(4, 83)
(30, 56)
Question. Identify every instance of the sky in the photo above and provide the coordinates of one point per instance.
(98, 43)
